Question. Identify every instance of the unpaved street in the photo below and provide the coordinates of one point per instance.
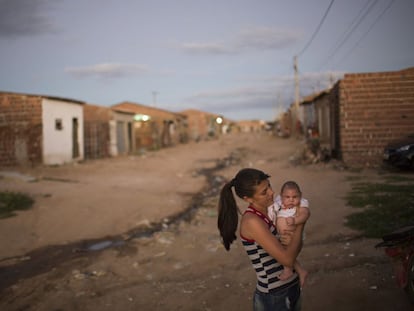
(139, 233)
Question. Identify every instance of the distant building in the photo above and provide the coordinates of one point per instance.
(249, 126)
(203, 125)
(41, 129)
(155, 128)
(38, 129)
(108, 132)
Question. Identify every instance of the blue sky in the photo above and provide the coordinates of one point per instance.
(230, 57)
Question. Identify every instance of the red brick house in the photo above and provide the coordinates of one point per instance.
(363, 112)
(374, 108)
(203, 125)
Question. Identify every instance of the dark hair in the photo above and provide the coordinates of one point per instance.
(244, 183)
(290, 185)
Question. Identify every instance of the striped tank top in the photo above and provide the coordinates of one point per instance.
(266, 267)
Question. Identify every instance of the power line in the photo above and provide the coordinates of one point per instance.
(352, 30)
(370, 28)
(342, 37)
(295, 59)
(317, 29)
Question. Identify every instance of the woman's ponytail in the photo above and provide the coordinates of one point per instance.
(228, 218)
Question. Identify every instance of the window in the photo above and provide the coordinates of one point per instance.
(58, 124)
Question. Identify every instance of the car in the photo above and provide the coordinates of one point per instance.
(400, 153)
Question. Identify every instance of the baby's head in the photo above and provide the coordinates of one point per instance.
(290, 194)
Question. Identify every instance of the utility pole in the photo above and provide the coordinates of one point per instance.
(295, 67)
(331, 80)
(296, 118)
(279, 106)
(154, 98)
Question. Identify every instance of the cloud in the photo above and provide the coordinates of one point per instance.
(108, 70)
(24, 18)
(253, 38)
(260, 38)
(207, 48)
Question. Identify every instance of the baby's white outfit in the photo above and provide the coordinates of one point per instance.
(276, 210)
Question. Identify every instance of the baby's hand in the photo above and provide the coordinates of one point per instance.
(286, 237)
(290, 221)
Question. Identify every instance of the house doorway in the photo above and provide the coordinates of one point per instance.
(75, 138)
(130, 149)
(120, 137)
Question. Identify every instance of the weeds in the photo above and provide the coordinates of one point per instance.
(13, 201)
(384, 206)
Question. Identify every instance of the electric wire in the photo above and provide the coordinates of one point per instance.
(351, 31)
(314, 34)
(354, 21)
(366, 33)
(317, 29)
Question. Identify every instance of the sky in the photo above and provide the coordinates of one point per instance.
(228, 57)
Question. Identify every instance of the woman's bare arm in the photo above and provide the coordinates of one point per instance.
(252, 227)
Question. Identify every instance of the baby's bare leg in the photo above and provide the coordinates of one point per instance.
(303, 274)
(281, 226)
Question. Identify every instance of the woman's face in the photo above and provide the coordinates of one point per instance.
(263, 196)
(290, 198)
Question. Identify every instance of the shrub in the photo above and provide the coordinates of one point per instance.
(13, 201)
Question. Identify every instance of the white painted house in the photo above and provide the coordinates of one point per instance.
(62, 131)
(37, 129)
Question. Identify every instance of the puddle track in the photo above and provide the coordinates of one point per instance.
(46, 258)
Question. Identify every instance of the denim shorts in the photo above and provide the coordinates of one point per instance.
(287, 299)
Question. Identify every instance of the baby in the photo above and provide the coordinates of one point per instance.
(288, 210)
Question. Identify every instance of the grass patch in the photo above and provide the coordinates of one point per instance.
(13, 201)
(385, 206)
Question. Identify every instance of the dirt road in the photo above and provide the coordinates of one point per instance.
(139, 233)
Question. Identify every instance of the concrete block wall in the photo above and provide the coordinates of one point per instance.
(374, 109)
(20, 130)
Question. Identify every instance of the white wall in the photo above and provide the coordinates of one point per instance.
(112, 138)
(58, 144)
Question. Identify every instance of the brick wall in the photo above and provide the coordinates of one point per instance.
(334, 122)
(96, 131)
(374, 108)
(20, 129)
